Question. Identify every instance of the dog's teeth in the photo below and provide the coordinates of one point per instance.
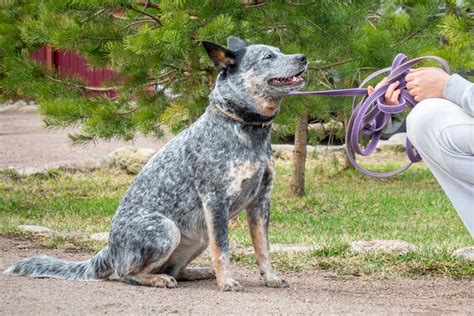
(288, 80)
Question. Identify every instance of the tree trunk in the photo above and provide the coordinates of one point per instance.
(299, 156)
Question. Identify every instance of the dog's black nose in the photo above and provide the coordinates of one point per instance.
(301, 57)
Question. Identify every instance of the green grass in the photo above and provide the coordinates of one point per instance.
(348, 206)
(339, 207)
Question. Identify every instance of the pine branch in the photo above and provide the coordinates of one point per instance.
(118, 15)
(341, 44)
(301, 4)
(149, 4)
(137, 22)
(156, 81)
(92, 16)
(161, 81)
(82, 87)
(250, 6)
(411, 36)
(338, 63)
(154, 17)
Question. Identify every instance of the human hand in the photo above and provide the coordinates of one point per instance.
(392, 93)
(426, 82)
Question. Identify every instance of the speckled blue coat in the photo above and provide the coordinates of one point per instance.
(184, 197)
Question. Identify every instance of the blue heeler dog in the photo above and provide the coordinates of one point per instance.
(184, 197)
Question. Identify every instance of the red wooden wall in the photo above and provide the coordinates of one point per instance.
(69, 63)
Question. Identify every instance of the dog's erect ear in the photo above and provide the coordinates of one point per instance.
(221, 56)
(235, 43)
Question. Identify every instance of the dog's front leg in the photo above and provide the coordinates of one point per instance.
(216, 214)
(258, 216)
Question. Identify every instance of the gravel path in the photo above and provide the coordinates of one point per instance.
(24, 142)
(310, 293)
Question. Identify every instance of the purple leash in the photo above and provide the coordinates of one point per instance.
(371, 115)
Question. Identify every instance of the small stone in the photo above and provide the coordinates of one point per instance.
(146, 152)
(28, 109)
(73, 234)
(282, 147)
(28, 171)
(293, 248)
(20, 103)
(104, 236)
(103, 162)
(282, 248)
(35, 229)
(8, 108)
(398, 247)
(23, 246)
(131, 159)
(465, 253)
(398, 139)
(395, 142)
(83, 166)
(17, 106)
(319, 149)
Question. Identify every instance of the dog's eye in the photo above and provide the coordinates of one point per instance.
(268, 56)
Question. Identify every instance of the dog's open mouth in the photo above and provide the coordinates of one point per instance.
(287, 81)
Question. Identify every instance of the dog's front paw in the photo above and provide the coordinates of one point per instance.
(275, 281)
(231, 285)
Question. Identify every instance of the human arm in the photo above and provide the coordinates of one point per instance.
(432, 82)
(461, 92)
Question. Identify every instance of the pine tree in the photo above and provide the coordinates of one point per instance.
(147, 43)
(344, 41)
(457, 35)
(158, 43)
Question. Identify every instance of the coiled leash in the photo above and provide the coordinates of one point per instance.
(370, 116)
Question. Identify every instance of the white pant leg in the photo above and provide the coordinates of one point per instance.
(444, 136)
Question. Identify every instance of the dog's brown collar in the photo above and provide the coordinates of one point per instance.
(237, 118)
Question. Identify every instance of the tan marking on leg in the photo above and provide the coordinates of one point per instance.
(260, 245)
(224, 277)
(154, 280)
(221, 264)
(271, 172)
(262, 254)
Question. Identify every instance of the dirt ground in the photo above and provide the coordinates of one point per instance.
(24, 142)
(309, 293)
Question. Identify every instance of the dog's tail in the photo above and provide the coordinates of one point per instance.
(98, 267)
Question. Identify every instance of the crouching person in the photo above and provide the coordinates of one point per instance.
(441, 127)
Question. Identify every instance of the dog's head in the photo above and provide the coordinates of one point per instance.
(254, 78)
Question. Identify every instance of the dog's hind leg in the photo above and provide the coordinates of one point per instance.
(154, 280)
(193, 274)
(190, 248)
(145, 245)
